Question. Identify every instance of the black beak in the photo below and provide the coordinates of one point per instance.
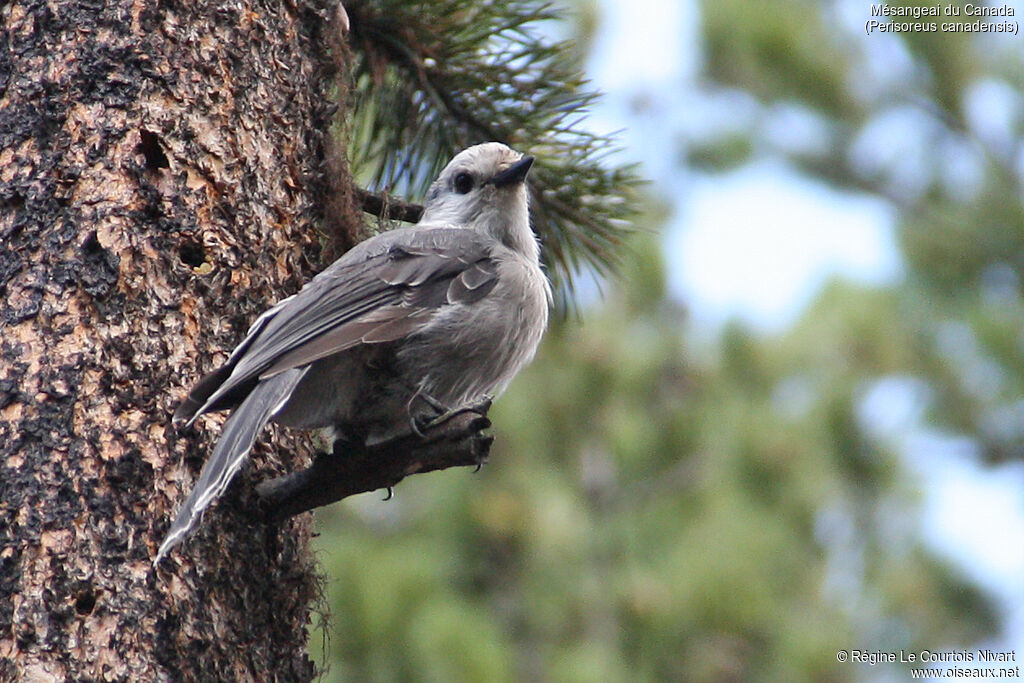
(516, 173)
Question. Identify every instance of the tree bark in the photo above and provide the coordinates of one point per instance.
(163, 172)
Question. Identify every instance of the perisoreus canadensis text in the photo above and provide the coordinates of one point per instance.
(404, 328)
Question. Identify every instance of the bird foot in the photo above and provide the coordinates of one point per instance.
(421, 423)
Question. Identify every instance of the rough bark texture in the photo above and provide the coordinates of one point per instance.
(163, 168)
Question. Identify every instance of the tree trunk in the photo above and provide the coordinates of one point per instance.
(163, 168)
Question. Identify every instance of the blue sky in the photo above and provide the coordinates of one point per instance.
(795, 234)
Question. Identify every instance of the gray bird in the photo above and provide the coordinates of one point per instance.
(404, 329)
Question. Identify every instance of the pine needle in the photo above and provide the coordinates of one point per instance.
(431, 78)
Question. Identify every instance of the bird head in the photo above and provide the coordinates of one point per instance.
(484, 188)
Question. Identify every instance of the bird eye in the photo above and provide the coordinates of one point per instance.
(463, 183)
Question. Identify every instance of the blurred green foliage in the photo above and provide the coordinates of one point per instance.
(658, 508)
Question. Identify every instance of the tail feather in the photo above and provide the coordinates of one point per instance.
(189, 408)
(236, 440)
(198, 400)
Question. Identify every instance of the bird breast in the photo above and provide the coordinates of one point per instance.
(483, 345)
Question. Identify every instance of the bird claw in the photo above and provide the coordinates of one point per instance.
(414, 424)
(481, 406)
(421, 424)
(422, 420)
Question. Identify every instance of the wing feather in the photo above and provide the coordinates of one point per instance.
(474, 283)
(381, 291)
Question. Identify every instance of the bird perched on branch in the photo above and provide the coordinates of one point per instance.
(401, 332)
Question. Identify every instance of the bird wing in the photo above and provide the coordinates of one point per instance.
(380, 291)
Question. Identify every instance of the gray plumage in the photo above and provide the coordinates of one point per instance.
(407, 325)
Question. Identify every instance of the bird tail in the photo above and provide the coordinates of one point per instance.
(236, 439)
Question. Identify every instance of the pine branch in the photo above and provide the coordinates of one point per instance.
(459, 441)
(432, 78)
(383, 205)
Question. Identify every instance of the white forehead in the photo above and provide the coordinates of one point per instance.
(487, 158)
